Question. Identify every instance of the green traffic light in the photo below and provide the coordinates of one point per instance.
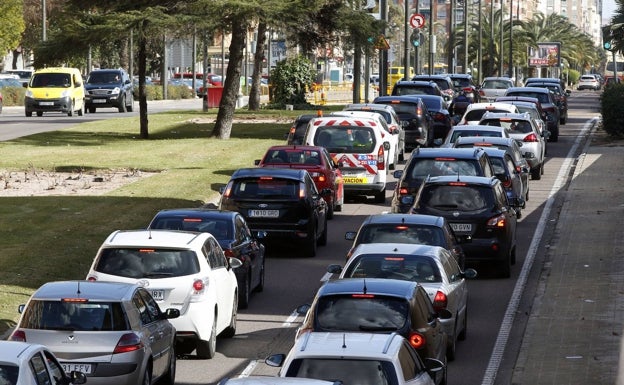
(607, 45)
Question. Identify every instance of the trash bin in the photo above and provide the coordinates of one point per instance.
(212, 98)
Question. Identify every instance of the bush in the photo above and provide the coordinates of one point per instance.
(13, 96)
(611, 109)
(290, 79)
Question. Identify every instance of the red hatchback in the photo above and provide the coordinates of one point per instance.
(319, 164)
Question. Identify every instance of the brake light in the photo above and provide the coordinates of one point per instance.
(530, 138)
(381, 164)
(440, 301)
(417, 340)
(439, 117)
(228, 253)
(302, 191)
(457, 184)
(18, 335)
(129, 342)
(228, 191)
(362, 295)
(507, 182)
(497, 221)
(403, 191)
(481, 92)
(198, 285)
(75, 300)
(91, 278)
(467, 89)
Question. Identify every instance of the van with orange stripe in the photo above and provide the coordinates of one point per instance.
(358, 144)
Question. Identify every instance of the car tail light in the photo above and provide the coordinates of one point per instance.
(481, 92)
(302, 191)
(91, 278)
(403, 191)
(439, 117)
(381, 164)
(440, 301)
(417, 340)
(467, 89)
(18, 335)
(228, 191)
(507, 182)
(497, 221)
(129, 342)
(198, 286)
(228, 254)
(530, 138)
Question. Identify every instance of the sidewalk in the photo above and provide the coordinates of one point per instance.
(575, 328)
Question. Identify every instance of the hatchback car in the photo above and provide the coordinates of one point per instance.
(112, 332)
(464, 130)
(493, 86)
(433, 267)
(234, 237)
(479, 211)
(183, 270)
(436, 161)
(548, 103)
(415, 119)
(377, 305)
(320, 165)
(465, 83)
(283, 203)
(588, 82)
(505, 170)
(413, 87)
(475, 111)
(106, 88)
(407, 228)
(532, 106)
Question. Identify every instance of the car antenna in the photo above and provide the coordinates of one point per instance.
(344, 341)
(78, 290)
(458, 175)
(364, 289)
(149, 233)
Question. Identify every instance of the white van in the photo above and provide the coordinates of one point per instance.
(357, 143)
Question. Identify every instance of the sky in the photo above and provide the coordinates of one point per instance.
(608, 7)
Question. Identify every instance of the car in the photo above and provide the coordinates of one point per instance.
(231, 231)
(530, 105)
(559, 95)
(433, 267)
(443, 81)
(415, 119)
(416, 87)
(23, 75)
(440, 115)
(494, 86)
(183, 270)
(23, 363)
(320, 165)
(283, 203)
(475, 111)
(463, 130)
(588, 82)
(268, 380)
(378, 305)
(358, 143)
(407, 228)
(548, 103)
(427, 162)
(106, 88)
(358, 358)
(107, 330)
(479, 211)
(522, 128)
(298, 128)
(465, 83)
(10, 82)
(55, 89)
(505, 170)
(392, 119)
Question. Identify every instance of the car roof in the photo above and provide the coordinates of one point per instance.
(469, 179)
(370, 106)
(391, 249)
(396, 218)
(486, 105)
(517, 98)
(439, 76)
(270, 380)
(335, 120)
(485, 139)
(546, 80)
(498, 115)
(497, 78)
(359, 114)
(494, 152)
(301, 147)
(461, 153)
(413, 99)
(257, 172)
(155, 238)
(347, 345)
(92, 290)
(379, 286)
(436, 97)
(423, 83)
(528, 89)
(197, 212)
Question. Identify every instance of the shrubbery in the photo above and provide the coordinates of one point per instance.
(13, 96)
(611, 109)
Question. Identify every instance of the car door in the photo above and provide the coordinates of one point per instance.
(222, 283)
(162, 333)
(249, 246)
(318, 205)
(426, 321)
(153, 337)
(458, 290)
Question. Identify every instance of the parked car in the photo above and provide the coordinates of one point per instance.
(548, 104)
(464, 130)
(320, 165)
(415, 119)
(433, 267)
(104, 329)
(475, 111)
(106, 88)
(443, 81)
(298, 128)
(358, 358)
(283, 203)
(231, 231)
(465, 83)
(505, 170)
(588, 82)
(441, 118)
(23, 75)
(186, 271)
(493, 87)
(478, 209)
(377, 305)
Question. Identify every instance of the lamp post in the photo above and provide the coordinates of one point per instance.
(451, 32)
(432, 42)
(43, 19)
(511, 39)
(500, 54)
(465, 36)
(480, 49)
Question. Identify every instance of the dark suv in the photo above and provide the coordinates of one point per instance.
(297, 131)
(109, 88)
(284, 203)
(379, 305)
(427, 162)
(465, 83)
(478, 210)
(443, 81)
(416, 87)
(415, 119)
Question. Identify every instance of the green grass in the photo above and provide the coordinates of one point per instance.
(56, 237)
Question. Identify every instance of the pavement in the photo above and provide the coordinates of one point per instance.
(575, 327)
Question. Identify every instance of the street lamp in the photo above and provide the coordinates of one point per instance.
(43, 18)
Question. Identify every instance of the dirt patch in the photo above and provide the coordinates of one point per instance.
(34, 182)
(601, 138)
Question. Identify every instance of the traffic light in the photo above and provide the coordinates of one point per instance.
(415, 37)
(607, 45)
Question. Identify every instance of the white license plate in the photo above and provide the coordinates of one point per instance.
(158, 295)
(70, 367)
(46, 103)
(264, 213)
(461, 227)
(99, 100)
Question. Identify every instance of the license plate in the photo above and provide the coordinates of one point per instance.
(46, 103)
(264, 213)
(158, 295)
(354, 179)
(70, 367)
(99, 100)
(461, 227)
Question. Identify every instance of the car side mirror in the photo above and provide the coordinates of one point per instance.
(256, 162)
(275, 360)
(350, 235)
(334, 269)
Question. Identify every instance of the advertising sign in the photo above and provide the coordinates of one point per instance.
(546, 55)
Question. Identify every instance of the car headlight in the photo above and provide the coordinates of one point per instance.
(116, 91)
(29, 94)
(66, 94)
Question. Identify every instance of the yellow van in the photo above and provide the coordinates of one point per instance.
(397, 73)
(55, 89)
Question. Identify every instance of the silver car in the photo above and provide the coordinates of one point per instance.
(493, 87)
(114, 333)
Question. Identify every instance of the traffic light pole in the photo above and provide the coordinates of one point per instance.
(406, 44)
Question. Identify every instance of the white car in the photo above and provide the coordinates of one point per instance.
(588, 82)
(494, 86)
(23, 363)
(267, 380)
(475, 111)
(357, 358)
(472, 130)
(182, 270)
(433, 267)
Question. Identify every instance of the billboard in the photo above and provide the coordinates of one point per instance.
(545, 55)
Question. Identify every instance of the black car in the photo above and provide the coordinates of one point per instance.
(407, 228)
(479, 211)
(559, 94)
(415, 119)
(283, 203)
(416, 87)
(298, 129)
(231, 231)
(427, 162)
(443, 81)
(379, 305)
(505, 170)
(109, 88)
(465, 83)
(546, 99)
(440, 115)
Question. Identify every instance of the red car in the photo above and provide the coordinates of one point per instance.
(319, 164)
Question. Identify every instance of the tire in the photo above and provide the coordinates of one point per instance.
(451, 346)
(71, 109)
(147, 377)
(230, 331)
(513, 256)
(322, 241)
(330, 208)
(39, 113)
(505, 267)
(207, 349)
(380, 197)
(260, 286)
(310, 245)
(518, 213)
(130, 106)
(92, 110)
(243, 292)
(536, 173)
(464, 332)
(122, 105)
(168, 378)
(184, 347)
(28, 114)
(81, 111)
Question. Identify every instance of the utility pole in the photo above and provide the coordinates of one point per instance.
(44, 21)
(383, 54)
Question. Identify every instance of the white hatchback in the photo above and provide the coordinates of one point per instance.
(472, 130)
(475, 111)
(183, 270)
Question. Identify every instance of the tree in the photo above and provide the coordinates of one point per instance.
(291, 78)
(12, 24)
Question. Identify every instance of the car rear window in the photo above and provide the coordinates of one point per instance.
(542, 97)
(361, 312)
(401, 233)
(293, 156)
(220, 229)
(514, 126)
(344, 371)
(414, 268)
(8, 374)
(459, 133)
(147, 262)
(346, 139)
(265, 188)
(444, 166)
(454, 197)
(413, 90)
(496, 84)
(477, 113)
(74, 315)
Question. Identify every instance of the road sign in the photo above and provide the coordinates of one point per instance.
(382, 43)
(417, 20)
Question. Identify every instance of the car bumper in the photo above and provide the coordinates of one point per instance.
(61, 104)
(485, 250)
(195, 321)
(364, 188)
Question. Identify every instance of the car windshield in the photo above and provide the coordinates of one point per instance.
(103, 78)
(147, 262)
(74, 315)
(456, 198)
(220, 229)
(346, 139)
(344, 371)
(8, 374)
(51, 80)
(265, 188)
(293, 156)
(409, 267)
(401, 233)
(443, 166)
(361, 313)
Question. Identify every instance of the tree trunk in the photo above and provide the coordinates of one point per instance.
(142, 56)
(223, 124)
(16, 54)
(255, 92)
(357, 73)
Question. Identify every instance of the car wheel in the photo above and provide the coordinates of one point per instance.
(322, 241)
(122, 104)
(513, 256)
(260, 286)
(451, 345)
(92, 110)
(243, 292)
(518, 212)
(536, 173)
(70, 112)
(230, 331)
(168, 378)
(28, 114)
(184, 347)
(330, 209)
(207, 349)
(130, 106)
(39, 113)
(81, 111)
(464, 332)
(310, 244)
(526, 196)
(147, 377)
